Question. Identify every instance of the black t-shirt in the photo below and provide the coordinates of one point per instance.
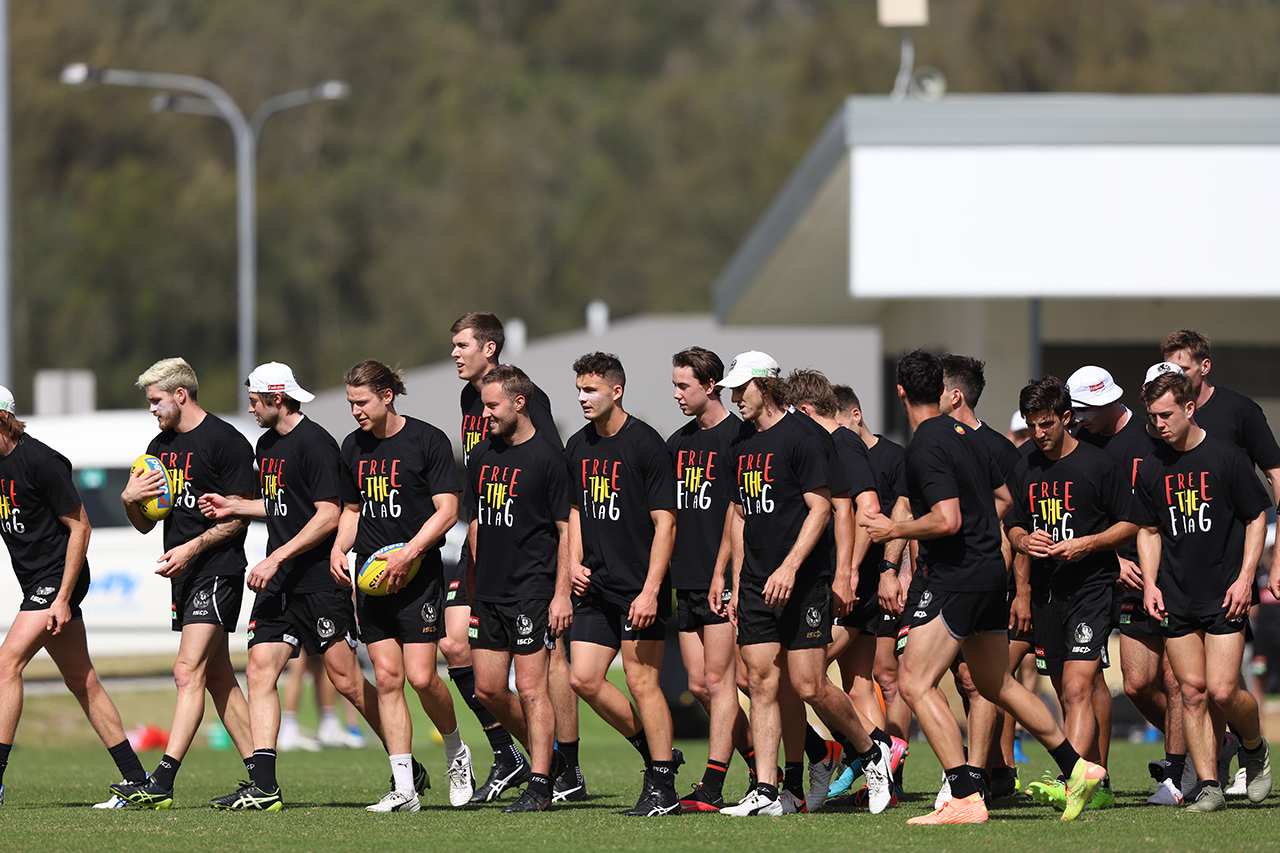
(837, 473)
(393, 479)
(1130, 445)
(889, 466)
(851, 451)
(295, 472)
(617, 482)
(213, 458)
(1003, 452)
(1083, 493)
(475, 426)
(1240, 421)
(773, 470)
(516, 494)
(1201, 499)
(704, 488)
(946, 460)
(35, 492)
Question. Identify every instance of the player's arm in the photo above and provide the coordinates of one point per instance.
(59, 613)
(1240, 592)
(561, 612)
(644, 608)
(431, 532)
(724, 560)
(221, 507)
(893, 591)
(736, 525)
(348, 525)
(1149, 561)
(580, 574)
(473, 531)
(324, 522)
(175, 561)
(844, 581)
(1110, 539)
(943, 519)
(777, 589)
(142, 486)
(1020, 608)
(1273, 480)
(1004, 500)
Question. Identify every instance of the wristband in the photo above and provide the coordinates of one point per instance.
(886, 566)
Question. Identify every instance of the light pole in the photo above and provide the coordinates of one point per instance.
(213, 100)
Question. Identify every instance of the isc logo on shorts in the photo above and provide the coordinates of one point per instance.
(473, 630)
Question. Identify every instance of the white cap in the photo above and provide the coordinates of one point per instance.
(1161, 367)
(1093, 386)
(747, 366)
(1018, 423)
(277, 378)
(6, 401)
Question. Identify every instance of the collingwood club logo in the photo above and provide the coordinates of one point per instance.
(1084, 634)
(813, 616)
(524, 625)
(325, 628)
(46, 590)
(429, 614)
(926, 598)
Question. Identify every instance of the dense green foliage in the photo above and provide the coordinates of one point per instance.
(524, 156)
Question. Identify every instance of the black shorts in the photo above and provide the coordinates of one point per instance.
(964, 613)
(1132, 617)
(1217, 623)
(604, 623)
(520, 626)
(207, 601)
(865, 617)
(455, 583)
(1074, 627)
(693, 611)
(310, 620)
(915, 592)
(804, 622)
(415, 614)
(39, 593)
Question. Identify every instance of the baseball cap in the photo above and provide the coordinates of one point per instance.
(1093, 386)
(747, 366)
(1018, 423)
(1161, 367)
(276, 378)
(6, 401)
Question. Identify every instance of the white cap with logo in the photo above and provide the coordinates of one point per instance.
(6, 401)
(1018, 423)
(1160, 368)
(276, 378)
(1093, 386)
(749, 365)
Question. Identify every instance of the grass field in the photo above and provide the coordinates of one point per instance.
(58, 768)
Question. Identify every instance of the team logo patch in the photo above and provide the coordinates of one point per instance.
(524, 625)
(46, 590)
(813, 616)
(202, 600)
(429, 614)
(1084, 634)
(926, 598)
(325, 628)
(959, 429)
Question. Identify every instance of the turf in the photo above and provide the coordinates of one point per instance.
(58, 768)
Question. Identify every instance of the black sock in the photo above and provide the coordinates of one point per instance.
(504, 748)
(1065, 755)
(1247, 751)
(749, 757)
(713, 778)
(5, 749)
(263, 770)
(465, 678)
(664, 774)
(981, 781)
(166, 771)
(1177, 764)
(127, 762)
(540, 784)
(569, 748)
(815, 745)
(641, 743)
(869, 757)
(770, 791)
(897, 774)
(793, 778)
(962, 784)
(882, 737)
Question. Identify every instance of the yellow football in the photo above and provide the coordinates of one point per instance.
(370, 577)
(161, 505)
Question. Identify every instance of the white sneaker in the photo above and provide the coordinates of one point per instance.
(462, 781)
(1166, 795)
(394, 801)
(1239, 785)
(356, 738)
(332, 734)
(117, 802)
(754, 803)
(944, 793)
(820, 774)
(791, 804)
(879, 775)
(296, 741)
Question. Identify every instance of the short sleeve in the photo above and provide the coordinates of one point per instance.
(659, 485)
(441, 473)
(54, 482)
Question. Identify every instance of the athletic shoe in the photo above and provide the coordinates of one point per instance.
(701, 800)
(1019, 757)
(528, 801)
(820, 773)
(659, 800)
(356, 738)
(791, 804)
(968, 809)
(944, 793)
(899, 749)
(1103, 797)
(860, 799)
(394, 801)
(879, 783)
(296, 741)
(462, 781)
(1083, 781)
(1002, 785)
(1230, 747)
(1257, 769)
(504, 775)
(1189, 778)
(569, 786)
(755, 803)
(1240, 784)
(334, 735)
(250, 797)
(1207, 799)
(1049, 791)
(421, 780)
(1, 795)
(1157, 770)
(115, 801)
(844, 780)
(1166, 795)
(147, 794)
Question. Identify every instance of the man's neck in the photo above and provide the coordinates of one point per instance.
(523, 432)
(611, 425)
(1120, 422)
(7, 444)
(711, 415)
(191, 416)
(287, 421)
(829, 424)
(1069, 443)
(1191, 440)
(868, 437)
(1206, 391)
(919, 413)
(475, 383)
(392, 425)
(769, 417)
(965, 415)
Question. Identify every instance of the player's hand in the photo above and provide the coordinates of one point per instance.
(59, 614)
(397, 573)
(260, 575)
(141, 486)
(581, 580)
(777, 589)
(715, 595)
(560, 615)
(733, 608)
(879, 527)
(214, 506)
(339, 568)
(1273, 581)
(889, 593)
(1020, 613)
(1072, 549)
(175, 561)
(1130, 575)
(643, 612)
(1153, 602)
(842, 596)
(1237, 599)
(1039, 544)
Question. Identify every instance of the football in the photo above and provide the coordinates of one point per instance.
(161, 505)
(375, 567)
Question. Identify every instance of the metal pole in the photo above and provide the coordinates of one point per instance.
(6, 288)
(247, 243)
(1035, 345)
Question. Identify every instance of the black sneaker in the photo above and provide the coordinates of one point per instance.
(647, 789)
(503, 775)
(657, 801)
(559, 764)
(250, 798)
(701, 800)
(528, 801)
(421, 781)
(569, 786)
(147, 794)
(1003, 784)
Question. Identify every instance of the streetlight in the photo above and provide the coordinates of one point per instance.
(211, 99)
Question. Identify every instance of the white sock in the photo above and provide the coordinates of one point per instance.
(329, 717)
(402, 773)
(452, 745)
(288, 725)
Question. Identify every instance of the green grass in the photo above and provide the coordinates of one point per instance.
(58, 769)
